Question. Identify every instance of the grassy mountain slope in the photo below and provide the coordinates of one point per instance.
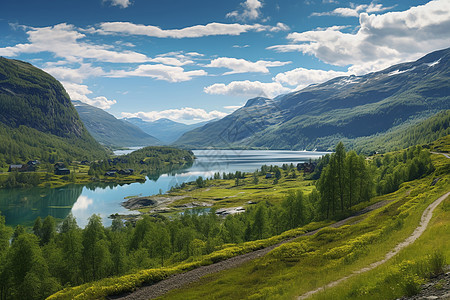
(167, 131)
(342, 108)
(415, 132)
(37, 118)
(108, 130)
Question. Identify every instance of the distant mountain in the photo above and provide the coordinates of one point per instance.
(37, 119)
(167, 131)
(109, 130)
(320, 115)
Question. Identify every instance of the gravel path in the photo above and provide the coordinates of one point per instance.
(445, 154)
(426, 217)
(179, 280)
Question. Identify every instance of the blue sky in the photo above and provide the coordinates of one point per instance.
(196, 60)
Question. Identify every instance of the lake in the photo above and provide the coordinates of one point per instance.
(23, 206)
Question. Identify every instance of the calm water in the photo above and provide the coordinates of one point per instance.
(23, 206)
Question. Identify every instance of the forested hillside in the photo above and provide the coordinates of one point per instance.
(37, 118)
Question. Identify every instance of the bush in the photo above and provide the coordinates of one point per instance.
(437, 263)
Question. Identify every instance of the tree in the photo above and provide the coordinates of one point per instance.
(48, 230)
(339, 158)
(96, 256)
(37, 228)
(261, 222)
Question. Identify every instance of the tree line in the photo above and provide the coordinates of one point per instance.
(38, 263)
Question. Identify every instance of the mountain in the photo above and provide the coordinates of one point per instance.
(37, 118)
(108, 130)
(165, 130)
(342, 108)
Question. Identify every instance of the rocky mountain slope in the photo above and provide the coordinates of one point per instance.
(342, 108)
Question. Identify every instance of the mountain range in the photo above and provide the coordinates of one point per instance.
(350, 107)
(167, 131)
(110, 131)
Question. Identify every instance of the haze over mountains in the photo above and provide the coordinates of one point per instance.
(109, 130)
(342, 108)
(167, 131)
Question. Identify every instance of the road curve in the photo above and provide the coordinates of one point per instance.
(425, 219)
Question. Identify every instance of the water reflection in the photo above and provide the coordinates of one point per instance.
(23, 206)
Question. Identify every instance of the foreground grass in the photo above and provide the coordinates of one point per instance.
(311, 262)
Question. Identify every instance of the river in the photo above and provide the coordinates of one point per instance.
(23, 206)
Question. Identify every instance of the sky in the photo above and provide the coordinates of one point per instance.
(197, 60)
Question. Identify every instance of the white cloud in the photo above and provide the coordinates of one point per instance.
(211, 29)
(160, 72)
(82, 203)
(80, 92)
(251, 10)
(63, 40)
(243, 66)
(247, 89)
(182, 114)
(74, 75)
(121, 3)
(354, 10)
(232, 107)
(301, 77)
(381, 41)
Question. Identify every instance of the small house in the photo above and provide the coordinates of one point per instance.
(13, 168)
(112, 173)
(62, 171)
(126, 172)
(269, 175)
(33, 162)
(59, 165)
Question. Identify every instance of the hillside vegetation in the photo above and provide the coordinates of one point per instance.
(37, 119)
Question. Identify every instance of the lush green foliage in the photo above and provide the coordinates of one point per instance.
(37, 119)
(417, 132)
(22, 144)
(150, 160)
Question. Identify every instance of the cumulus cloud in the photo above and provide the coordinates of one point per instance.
(160, 72)
(179, 115)
(243, 66)
(301, 77)
(74, 75)
(382, 40)
(247, 89)
(211, 29)
(177, 58)
(63, 40)
(354, 10)
(250, 10)
(121, 3)
(80, 92)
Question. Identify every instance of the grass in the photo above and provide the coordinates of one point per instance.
(311, 262)
(222, 193)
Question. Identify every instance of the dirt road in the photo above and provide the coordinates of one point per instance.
(426, 217)
(179, 280)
